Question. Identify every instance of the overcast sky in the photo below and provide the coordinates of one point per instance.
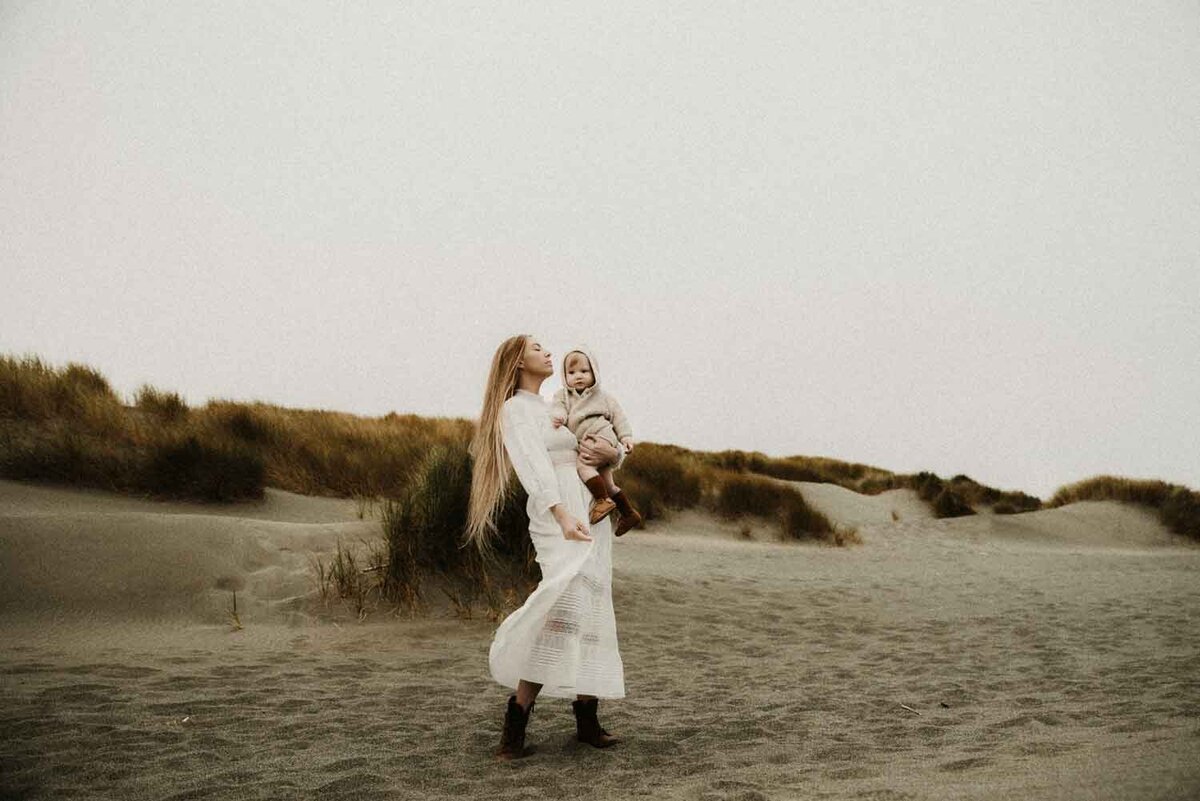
(961, 236)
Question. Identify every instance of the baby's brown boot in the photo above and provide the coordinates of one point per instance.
(600, 510)
(629, 516)
(603, 504)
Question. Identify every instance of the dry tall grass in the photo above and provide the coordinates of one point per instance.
(68, 425)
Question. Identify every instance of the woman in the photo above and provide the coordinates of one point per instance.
(563, 640)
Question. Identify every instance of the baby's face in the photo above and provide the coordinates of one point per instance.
(579, 372)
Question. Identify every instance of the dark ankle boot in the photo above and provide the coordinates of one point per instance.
(587, 727)
(512, 739)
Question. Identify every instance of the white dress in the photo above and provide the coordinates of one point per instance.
(564, 637)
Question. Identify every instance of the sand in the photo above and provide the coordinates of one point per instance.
(1048, 655)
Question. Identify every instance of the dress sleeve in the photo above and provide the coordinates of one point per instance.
(529, 457)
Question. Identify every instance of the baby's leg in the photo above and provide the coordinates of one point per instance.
(585, 470)
(609, 483)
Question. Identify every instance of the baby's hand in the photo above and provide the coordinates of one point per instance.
(558, 420)
(628, 443)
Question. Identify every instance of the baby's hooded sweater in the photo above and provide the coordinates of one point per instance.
(592, 411)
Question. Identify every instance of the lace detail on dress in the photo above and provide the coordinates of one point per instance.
(578, 638)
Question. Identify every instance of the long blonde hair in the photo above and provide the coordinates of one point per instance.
(492, 469)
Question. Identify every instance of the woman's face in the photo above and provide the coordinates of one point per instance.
(579, 371)
(535, 360)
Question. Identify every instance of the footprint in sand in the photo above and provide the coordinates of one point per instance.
(966, 764)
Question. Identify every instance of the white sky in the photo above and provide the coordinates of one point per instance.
(961, 236)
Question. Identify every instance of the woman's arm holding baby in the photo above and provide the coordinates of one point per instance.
(596, 451)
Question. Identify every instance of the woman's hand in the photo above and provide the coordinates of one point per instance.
(596, 451)
(572, 527)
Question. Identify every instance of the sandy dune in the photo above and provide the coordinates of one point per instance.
(1054, 654)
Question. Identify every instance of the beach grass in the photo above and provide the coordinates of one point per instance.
(68, 425)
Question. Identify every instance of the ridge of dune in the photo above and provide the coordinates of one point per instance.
(86, 552)
(161, 565)
(1101, 524)
(845, 507)
(23, 498)
(1095, 524)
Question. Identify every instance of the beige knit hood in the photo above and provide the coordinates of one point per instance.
(591, 357)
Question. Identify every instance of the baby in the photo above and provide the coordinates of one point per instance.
(589, 411)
